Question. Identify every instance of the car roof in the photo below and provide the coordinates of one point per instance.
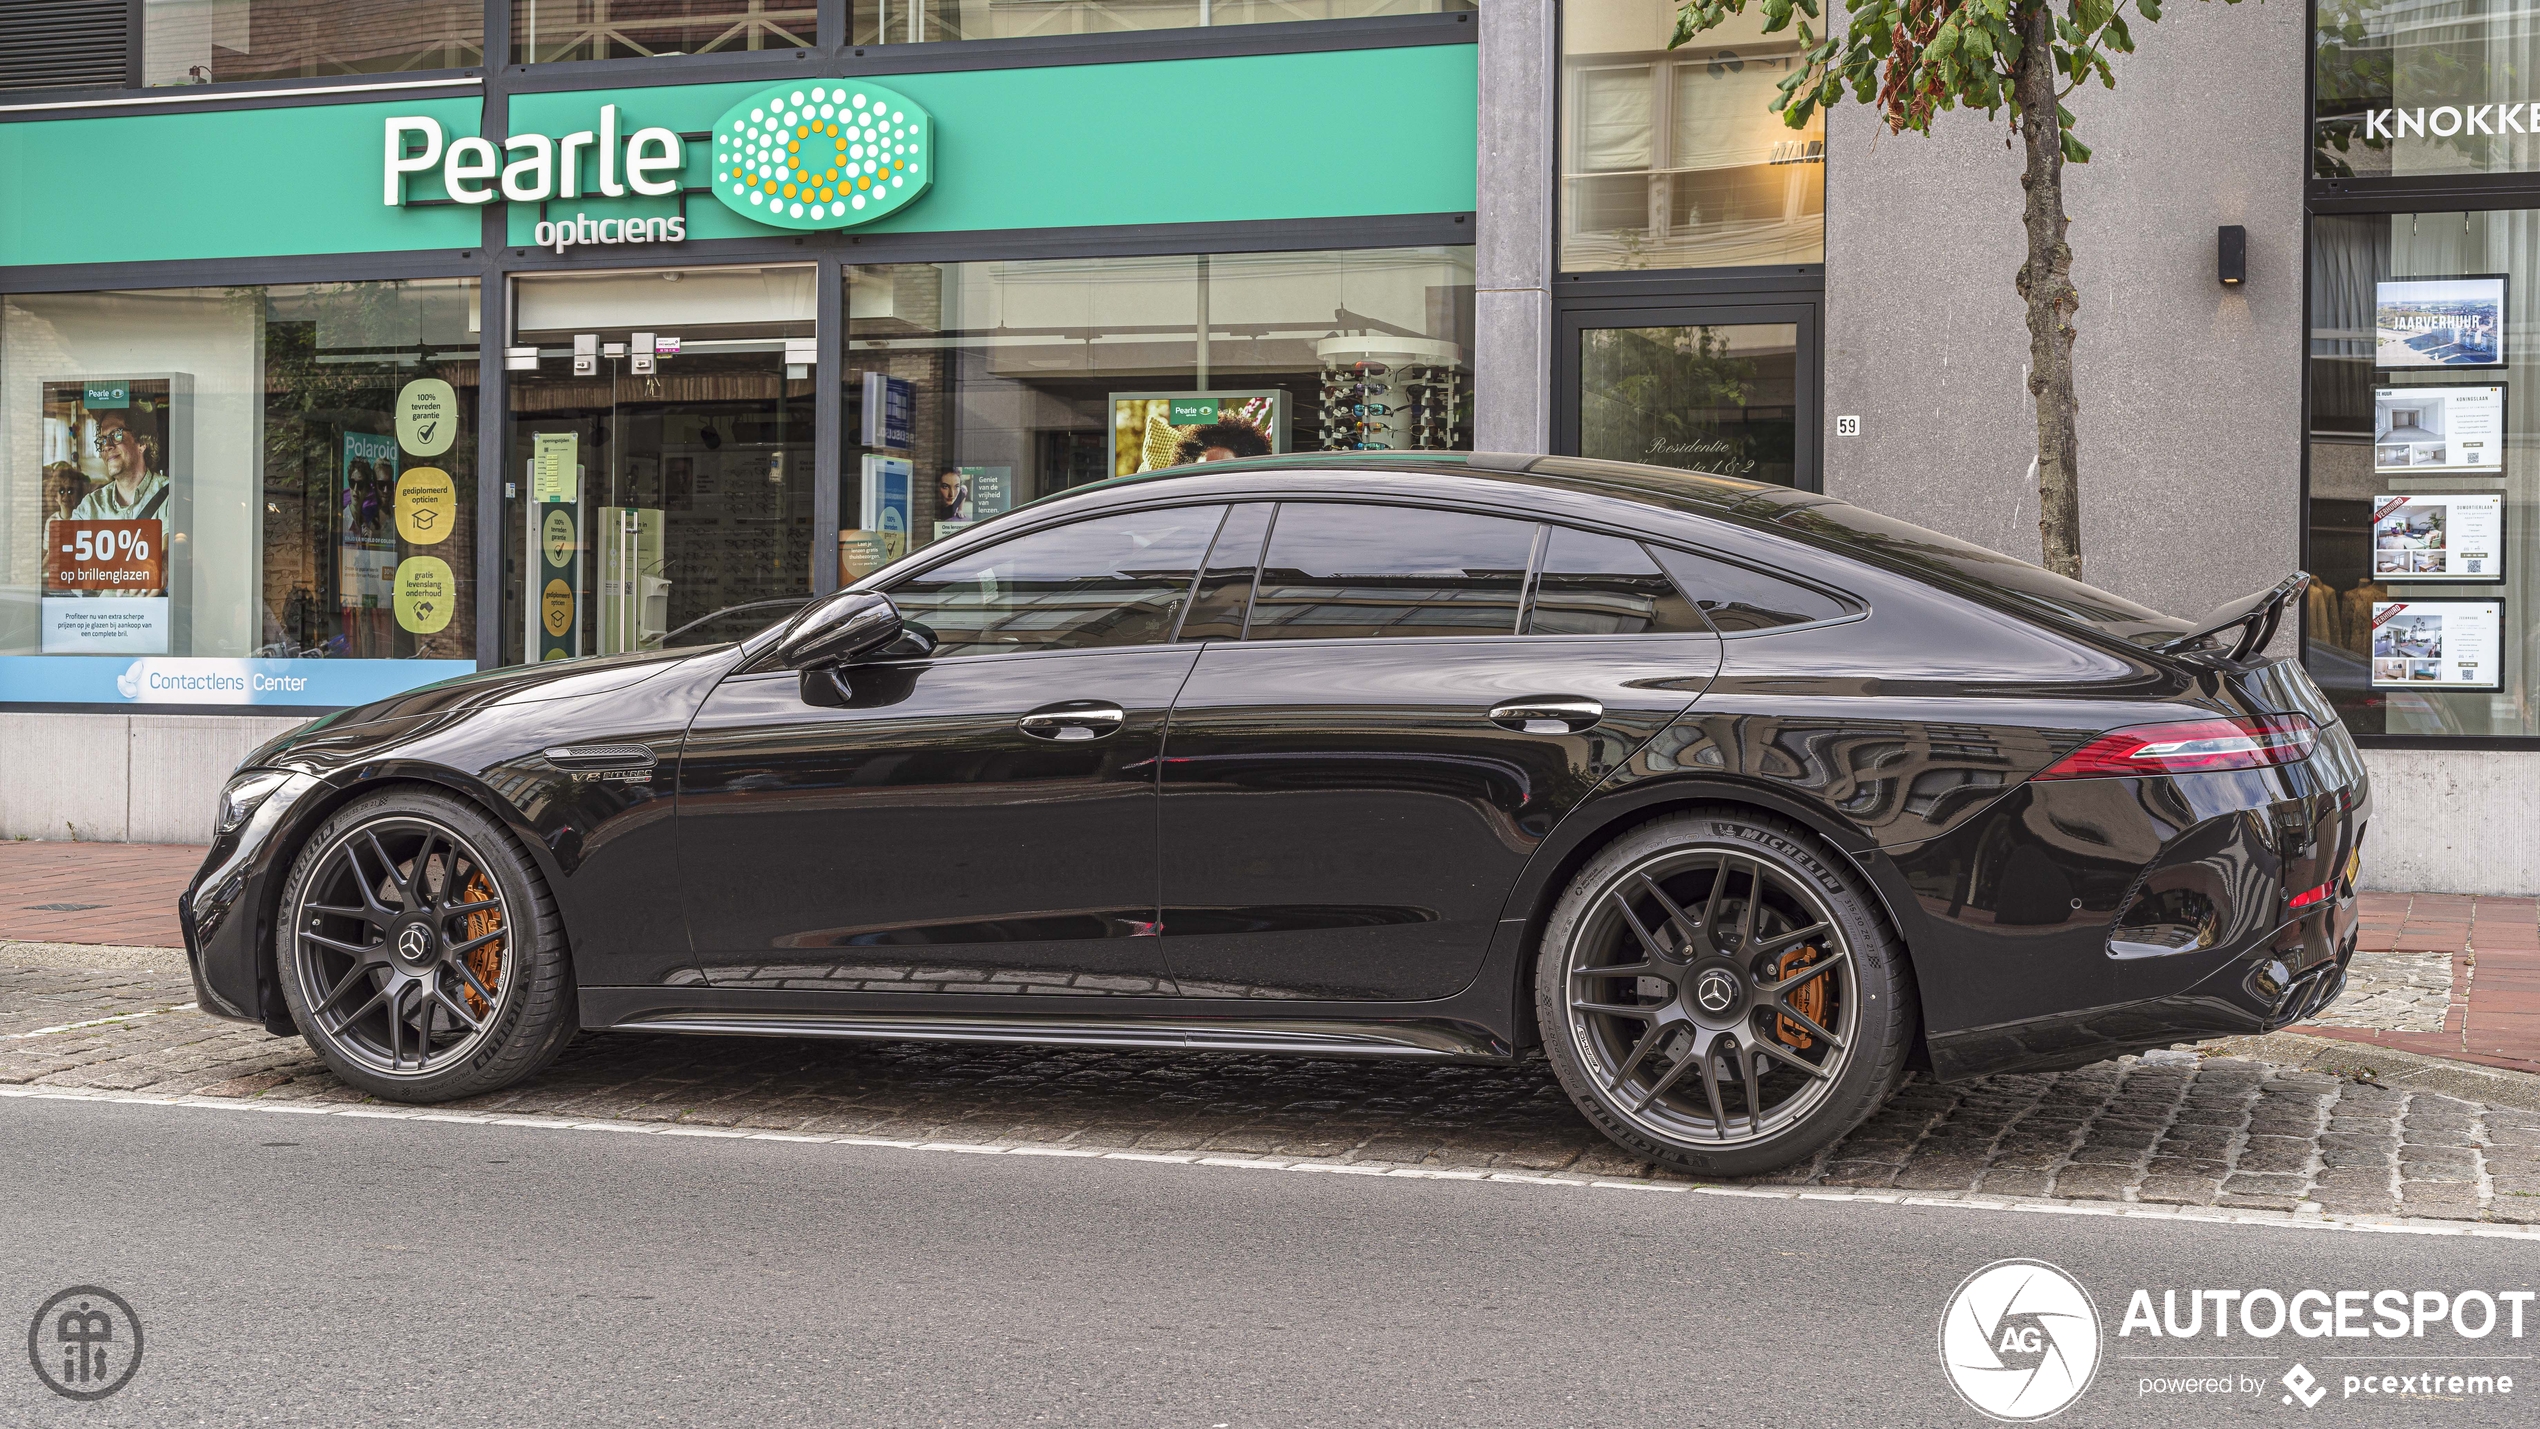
(1824, 523)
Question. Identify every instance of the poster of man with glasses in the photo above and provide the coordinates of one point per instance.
(107, 517)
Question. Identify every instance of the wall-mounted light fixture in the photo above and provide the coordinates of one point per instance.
(2231, 254)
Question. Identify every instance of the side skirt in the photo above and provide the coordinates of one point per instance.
(1426, 1039)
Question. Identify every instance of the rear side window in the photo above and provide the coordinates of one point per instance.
(1338, 571)
(1115, 580)
(1605, 585)
(1738, 599)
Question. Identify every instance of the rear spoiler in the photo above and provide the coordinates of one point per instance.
(2255, 616)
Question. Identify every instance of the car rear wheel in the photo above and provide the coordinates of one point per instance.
(420, 953)
(1718, 994)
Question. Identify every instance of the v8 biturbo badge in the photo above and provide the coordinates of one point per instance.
(823, 155)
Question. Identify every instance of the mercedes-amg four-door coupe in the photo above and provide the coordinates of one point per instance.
(1739, 803)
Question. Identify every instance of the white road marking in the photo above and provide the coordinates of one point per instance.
(2309, 1219)
(95, 1022)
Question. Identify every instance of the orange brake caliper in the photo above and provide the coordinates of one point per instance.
(486, 960)
(1809, 997)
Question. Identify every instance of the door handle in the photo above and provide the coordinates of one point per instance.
(1073, 721)
(1555, 715)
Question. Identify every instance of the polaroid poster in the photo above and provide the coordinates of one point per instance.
(2438, 431)
(890, 506)
(2439, 322)
(2423, 536)
(2439, 644)
(106, 496)
(366, 505)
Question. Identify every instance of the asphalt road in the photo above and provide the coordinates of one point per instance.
(325, 1269)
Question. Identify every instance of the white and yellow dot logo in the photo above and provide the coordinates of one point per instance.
(822, 155)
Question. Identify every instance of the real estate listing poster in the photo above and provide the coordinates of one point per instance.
(107, 493)
(2438, 644)
(2437, 431)
(2439, 322)
(2429, 536)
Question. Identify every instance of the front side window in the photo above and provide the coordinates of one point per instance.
(1344, 571)
(1115, 580)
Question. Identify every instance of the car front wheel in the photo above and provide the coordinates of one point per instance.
(1718, 994)
(420, 952)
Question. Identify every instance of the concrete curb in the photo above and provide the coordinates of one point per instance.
(2411, 1071)
(91, 957)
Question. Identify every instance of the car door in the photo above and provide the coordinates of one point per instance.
(978, 819)
(1372, 745)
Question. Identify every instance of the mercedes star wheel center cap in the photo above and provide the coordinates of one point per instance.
(414, 944)
(1715, 990)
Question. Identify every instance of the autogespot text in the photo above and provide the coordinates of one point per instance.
(2458, 1323)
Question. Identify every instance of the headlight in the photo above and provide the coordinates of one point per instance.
(244, 792)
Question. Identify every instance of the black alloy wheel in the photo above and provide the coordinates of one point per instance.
(1718, 994)
(419, 951)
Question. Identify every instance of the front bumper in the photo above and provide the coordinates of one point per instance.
(227, 913)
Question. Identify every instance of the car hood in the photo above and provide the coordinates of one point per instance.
(348, 733)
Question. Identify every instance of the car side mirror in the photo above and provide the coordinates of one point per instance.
(845, 627)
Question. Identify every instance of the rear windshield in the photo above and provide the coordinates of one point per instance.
(1948, 561)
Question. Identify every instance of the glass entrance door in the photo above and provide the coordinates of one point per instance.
(659, 486)
(1727, 390)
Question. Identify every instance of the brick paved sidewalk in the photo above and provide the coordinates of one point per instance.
(59, 892)
(2435, 974)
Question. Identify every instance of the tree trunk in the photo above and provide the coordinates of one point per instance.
(2046, 283)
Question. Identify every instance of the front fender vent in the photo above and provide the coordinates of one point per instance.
(600, 756)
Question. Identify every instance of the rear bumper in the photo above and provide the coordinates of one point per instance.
(2099, 917)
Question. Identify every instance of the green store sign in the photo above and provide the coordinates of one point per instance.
(823, 155)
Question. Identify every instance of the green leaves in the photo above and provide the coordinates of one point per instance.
(1913, 59)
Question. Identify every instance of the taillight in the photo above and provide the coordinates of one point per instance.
(2195, 746)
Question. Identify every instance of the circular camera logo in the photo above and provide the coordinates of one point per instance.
(2020, 1340)
(85, 1343)
(822, 155)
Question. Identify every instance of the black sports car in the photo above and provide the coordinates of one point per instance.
(1737, 801)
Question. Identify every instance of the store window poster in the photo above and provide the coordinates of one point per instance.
(106, 494)
(2428, 536)
(889, 507)
(366, 503)
(2436, 431)
(2440, 644)
(2439, 322)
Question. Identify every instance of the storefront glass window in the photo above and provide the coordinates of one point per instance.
(896, 22)
(544, 31)
(659, 488)
(2407, 88)
(204, 493)
(2423, 472)
(215, 41)
(1675, 159)
(975, 387)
